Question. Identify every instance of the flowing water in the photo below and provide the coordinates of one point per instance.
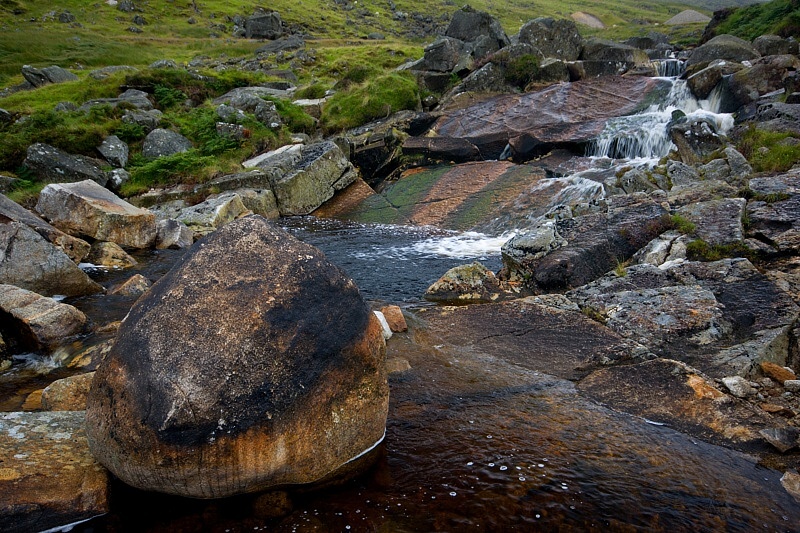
(475, 442)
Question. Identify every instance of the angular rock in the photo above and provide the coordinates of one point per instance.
(469, 25)
(173, 234)
(395, 319)
(105, 72)
(468, 284)
(148, 120)
(161, 142)
(132, 97)
(294, 354)
(117, 178)
(133, 287)
(557, 38)
(76, 249)
(260, 202)
(114, 150)
(778, 221)
(322, 170)
(28, 261)
(718, 222)
(738, 386)
(54, 74)
(668, 247)
(595, 49)
(766, 75)
(52, 165)
(792, 385)
(777, 372)
(264, 26)
(214, 213)
(791, 482)
(250, 100)
(49, 478)
(85, 208)
(68, 394)
(584, 248)
(705, 80)
(442, 55)
(36, 323)
(783, 439)
(109, 254)
(695, 140)
(725, 47)
(442, 148)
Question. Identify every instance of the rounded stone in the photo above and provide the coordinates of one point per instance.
(253, 364)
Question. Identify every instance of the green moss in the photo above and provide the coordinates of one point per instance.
(377, 98)
(520, 71)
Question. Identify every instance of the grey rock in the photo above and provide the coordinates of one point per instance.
(85, 208)
(559, 38)
(105, 72)
(264, 26)
(738, 386)
(695, 140)
(668, 247)
(171, 234)
(39, 77)
(161, 142)
(6, 117)
(469, 25)
(148, 120)
(792, 385)
(783, 439)
(28, 261)
(117, 178)
(114, 150)
(65, 107)
(772, 45)
(442, 55)
(705, 190)
(765, 76)
(468, 284)
(36, 323)
(725, 47)
(139, 20)
(131, 97)
(52, 165)
(109, 254)
(213, 213)
(126, 6)
(290, 42)
(705, 80)
(596, 49)
(718, 222)
(260, 201)
(164, 64)
(249, 99)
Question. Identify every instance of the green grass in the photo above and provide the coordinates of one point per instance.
(779, 17)
(700, 250)
(769, 151)
(682, 224)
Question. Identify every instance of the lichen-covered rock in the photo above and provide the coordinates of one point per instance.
(779, 218)
(559, 38)
(161, 142)
(468, 283)
(225, 380)
(67, 394)
(717, 221)
(725, 47)
(213, 213)
(48, 477)
(114, 150)
(85, 208)
(52, 165)
(27, 260)
(36, 323)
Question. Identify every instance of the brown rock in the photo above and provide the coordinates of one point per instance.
(48, 477)
(34, 401)
(397, 365)
(394, 316)
(68, 394)
(223, 380)
(791, 482)
(111, 255)
(776, 372)
(135, 286)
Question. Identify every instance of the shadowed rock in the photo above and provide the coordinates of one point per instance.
(225, 380)
(557, 38)
(52, 165)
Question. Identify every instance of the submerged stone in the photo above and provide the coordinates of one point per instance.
(225, 380)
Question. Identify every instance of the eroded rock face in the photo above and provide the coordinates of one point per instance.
(225, 380)
(49, 478)
(85, 208)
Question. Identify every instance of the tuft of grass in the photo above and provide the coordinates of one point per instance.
(293, 116)
(769, 151)
(520, 71)
(682, 224)
(185, 167)
(594, 314)
(769, 198)
(700, 250)
(377, 98)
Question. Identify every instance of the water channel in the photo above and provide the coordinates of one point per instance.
(475, 441)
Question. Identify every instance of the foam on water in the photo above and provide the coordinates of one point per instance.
(468, 245)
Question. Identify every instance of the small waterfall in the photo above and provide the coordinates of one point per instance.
(646, 135)
(669, 68)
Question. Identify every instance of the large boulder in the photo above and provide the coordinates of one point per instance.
(596, 49)
(766, 75)
(213, 213)
(773, 45)
(76, 249)
(223, 380)
(264, 26)
(27, 260)
(36, 323)
(49, 478)
(85, 208)
(52, 165)
(53, 74)
(470, 25)
(557, 38)
(725, 47)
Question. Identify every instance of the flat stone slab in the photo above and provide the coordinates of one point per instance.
(48, 477)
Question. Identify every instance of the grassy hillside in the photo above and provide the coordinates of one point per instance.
(779, 17)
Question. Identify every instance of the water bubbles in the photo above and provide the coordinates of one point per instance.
(540, 465)
(504, 467)
(488, 436)
(491, 465)
(452, 493)
(522, 478)
(470, 463)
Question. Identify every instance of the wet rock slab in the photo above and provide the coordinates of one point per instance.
(47, 475)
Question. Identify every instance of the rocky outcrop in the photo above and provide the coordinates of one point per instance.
(774, 213)
(52, 165)
(173, 234)
(131, 98)
(36, 323)
(251, 100)
(161, 142)
(39, 77)
(49, 478)
(557, 38)
(28, 261)
(288, 368)
(484, 31)
(565, 114)
(85, 208)
(556, 255)
(765, 75)
(773, 45)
